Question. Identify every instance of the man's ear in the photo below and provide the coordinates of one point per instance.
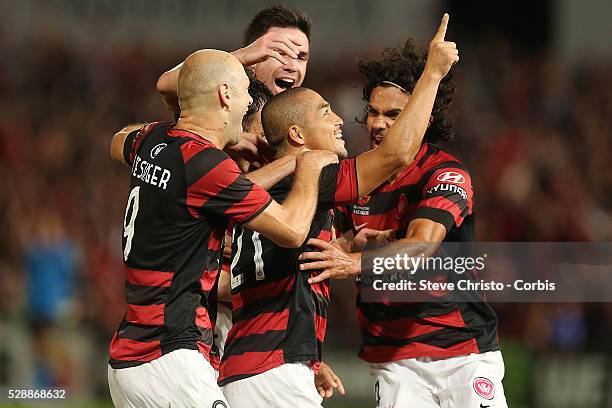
(224, 95)
(295, 136)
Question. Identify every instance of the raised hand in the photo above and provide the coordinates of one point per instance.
(314, 160)
(251, 150)
(276, 44)
(442, 54)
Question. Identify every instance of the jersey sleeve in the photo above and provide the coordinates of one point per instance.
(447, 197)
(338, 184)
(135, 138)
(128, 147)
(216, 186)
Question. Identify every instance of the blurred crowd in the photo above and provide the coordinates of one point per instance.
(535, 133)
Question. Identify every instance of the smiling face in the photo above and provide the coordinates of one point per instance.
(278, 76)
(385, 105)
(323, 129)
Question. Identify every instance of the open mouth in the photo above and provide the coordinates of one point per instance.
(284, 83)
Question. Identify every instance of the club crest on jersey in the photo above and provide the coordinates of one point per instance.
(361, 208)
(402, 207)
(484, 387)
(364, 200)
(158, 148)
(451, 177)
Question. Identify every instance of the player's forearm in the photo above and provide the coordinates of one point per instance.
(301, 202)
(240, 55)
(288, 224)
(167, 86)
(405, 247)
(224, 290)
(422, 239)
(272, 173)
(404, 138)
(118, 141)
(406, 134)
(167, 83)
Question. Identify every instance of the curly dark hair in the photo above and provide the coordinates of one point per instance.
(260, 94)
(403, 66)
(276, 16)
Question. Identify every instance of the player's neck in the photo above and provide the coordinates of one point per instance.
(395, 175)
(288, 151)
(213, 135)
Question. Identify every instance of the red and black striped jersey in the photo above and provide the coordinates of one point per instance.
(438, 187)
(278, 317)
(183, 193)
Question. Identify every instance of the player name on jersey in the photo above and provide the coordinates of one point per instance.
(150, 173)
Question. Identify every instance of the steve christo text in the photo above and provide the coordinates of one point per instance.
(463, 284)
(401, 264)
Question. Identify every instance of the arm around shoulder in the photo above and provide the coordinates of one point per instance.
(288, 224)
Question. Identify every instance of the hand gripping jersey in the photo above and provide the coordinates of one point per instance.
(184, 191)
(435, 186)
(278, 316)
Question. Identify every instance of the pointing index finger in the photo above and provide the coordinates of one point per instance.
(442, 29)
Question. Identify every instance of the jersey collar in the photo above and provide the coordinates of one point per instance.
(176, 132)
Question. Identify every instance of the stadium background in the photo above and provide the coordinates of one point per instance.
(533, 118)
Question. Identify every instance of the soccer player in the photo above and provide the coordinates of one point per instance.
(422, 354)
(276, 48)
(326, 380)
(266, 177)
(279, 320)
(184, 190)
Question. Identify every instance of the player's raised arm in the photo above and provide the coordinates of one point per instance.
(167, 88)
(288, 224)
(404, 138)
(273, 44)
(428, 228)
(276, 44)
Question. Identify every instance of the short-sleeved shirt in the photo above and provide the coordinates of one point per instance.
(438, 187)
(278, 317)
(183, 193)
